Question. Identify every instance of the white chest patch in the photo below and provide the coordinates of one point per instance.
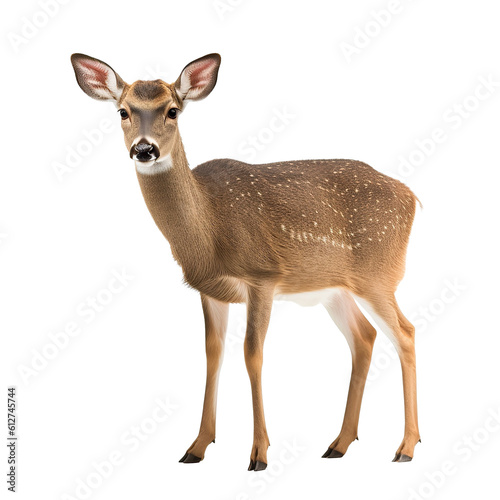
(308, 299)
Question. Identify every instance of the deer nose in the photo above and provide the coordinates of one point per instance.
(144, 151)
(143, 148)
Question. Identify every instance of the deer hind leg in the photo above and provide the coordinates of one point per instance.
(386, 313)
(216, 314)
(360, 336)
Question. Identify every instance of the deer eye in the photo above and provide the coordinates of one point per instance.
(172, 113)
(123, 114)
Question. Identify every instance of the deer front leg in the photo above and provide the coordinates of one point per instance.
(259, 305)
(216, 314)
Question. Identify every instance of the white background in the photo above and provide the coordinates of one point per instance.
(63, 236)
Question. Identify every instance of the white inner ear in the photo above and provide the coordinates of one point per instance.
(185, 85)
(109, 90)
(190, 89)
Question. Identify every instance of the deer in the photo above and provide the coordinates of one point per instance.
(331, 232)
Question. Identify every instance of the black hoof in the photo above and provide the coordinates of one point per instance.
(257, 465)
(332, 453)
(189, 458)
(400, 457)
(260, 466)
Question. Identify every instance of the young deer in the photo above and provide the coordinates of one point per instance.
(313, 231)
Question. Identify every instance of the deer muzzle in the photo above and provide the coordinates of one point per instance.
(144, 151)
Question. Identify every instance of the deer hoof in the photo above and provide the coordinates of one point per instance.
(189, 458)
(257, 465)
(332, 453)
(401, 457)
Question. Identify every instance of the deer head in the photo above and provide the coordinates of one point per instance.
(148, 109)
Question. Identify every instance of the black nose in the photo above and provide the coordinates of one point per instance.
(144, 151)
(143, 148)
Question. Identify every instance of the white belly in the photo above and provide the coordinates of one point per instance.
(308, 299)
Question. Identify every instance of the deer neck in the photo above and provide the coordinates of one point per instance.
(180, 208)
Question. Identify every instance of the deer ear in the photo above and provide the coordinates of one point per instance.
(198, 78)
(97, 79)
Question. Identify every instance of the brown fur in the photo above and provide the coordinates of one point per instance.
(278, 221)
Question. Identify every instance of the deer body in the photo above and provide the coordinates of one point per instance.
(313, 231)
(229, 222)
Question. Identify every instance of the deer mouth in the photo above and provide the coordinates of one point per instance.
(145, 158)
